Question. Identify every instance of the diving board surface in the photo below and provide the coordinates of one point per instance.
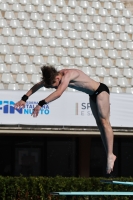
(93, 193)
(117, 182)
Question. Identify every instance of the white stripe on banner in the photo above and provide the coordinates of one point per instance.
(71, 109)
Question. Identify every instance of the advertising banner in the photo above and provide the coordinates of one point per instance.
(71, 109)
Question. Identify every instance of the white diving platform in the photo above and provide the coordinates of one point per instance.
(93, 193)
(100, 193)
(117, 182)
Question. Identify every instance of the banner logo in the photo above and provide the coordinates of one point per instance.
(83, 109)
(7, 107)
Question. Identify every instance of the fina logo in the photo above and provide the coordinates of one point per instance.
(8, 108)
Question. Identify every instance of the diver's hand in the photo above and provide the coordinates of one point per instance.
(36, 111)
(20, 104)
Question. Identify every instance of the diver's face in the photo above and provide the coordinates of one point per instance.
(56, 82)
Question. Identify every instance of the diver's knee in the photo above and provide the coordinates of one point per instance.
(105, 122)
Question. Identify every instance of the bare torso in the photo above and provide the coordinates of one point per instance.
(80, 81)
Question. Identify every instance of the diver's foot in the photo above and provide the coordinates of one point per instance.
(110, 163)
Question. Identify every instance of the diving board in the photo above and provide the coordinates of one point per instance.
(101, 193)
(92, 193)
(117, 182)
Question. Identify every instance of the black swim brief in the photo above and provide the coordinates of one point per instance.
(102, 87)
